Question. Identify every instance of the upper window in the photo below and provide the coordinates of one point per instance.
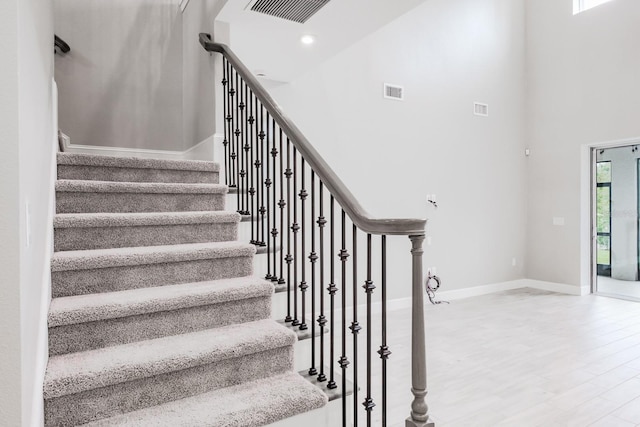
(582, 5)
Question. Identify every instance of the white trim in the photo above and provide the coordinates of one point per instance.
(141, 152)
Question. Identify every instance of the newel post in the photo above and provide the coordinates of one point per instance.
(419, 408)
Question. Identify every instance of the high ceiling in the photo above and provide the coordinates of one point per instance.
(272, 46)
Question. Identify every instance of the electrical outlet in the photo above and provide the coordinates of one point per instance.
(514, 262)
(428, 240)
(27, 222)
(431, 271)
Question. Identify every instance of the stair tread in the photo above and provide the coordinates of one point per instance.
(76, 372)
(118, 257)
(251, 404)
(91, 220)
(136, 162)
(111, 305)
(82, 186)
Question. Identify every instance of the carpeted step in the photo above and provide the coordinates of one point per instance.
(73, 196)
(117, 230)
(133, 169)
(252, 404)
(119, 269)
(88, 322)
(96, 384)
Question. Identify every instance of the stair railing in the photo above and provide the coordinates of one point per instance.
(295, 199)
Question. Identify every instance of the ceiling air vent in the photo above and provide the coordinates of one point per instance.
(481, 109)
(292, 10)
(393, 92)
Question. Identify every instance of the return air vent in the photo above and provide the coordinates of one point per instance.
(292, 10)
(393, 92)
(480, 109)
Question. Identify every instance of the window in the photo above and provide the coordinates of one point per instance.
(603, 217)
(582, 5)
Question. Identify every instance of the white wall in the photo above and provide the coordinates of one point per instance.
(121, 85)
(447, 54)
(26, 158)
(10, 364)
(582, 88)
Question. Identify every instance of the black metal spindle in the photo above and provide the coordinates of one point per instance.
(295, 227)
(241, 144)
(322, 319)
(368, 287)
(333, 289)
(282, 204)
(232, 140)
(274, 230)
(289, 258)
(344, 361)
(384, 349)
(251, 167)
(227, 118)
(267, 190)
(247, 147)
(237, 155)
(355, 325)
(261, 188)
(303, 282)
(313, 257)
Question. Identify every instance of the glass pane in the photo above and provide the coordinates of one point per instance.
(603, 213)
(604, 250)
(603, 172)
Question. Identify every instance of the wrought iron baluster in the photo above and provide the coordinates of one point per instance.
(262, 209)
(282, 204)
(313, 258)
(322, 319)
(247, 147)
(295, 227)
(355, 325)
(332, 289)
(369, 287)
(232, 126)
(251, 167)
(274, 230)
(384, 349)
(344, 361)
(241, 147)
(267, 190)
(227, 118)
(237, 154)
(289, 258)
(303, 282)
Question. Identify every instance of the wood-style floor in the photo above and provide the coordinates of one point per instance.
(523, 358)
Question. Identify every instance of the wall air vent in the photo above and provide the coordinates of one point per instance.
(292, 10)
(393, 92)
(480, 109)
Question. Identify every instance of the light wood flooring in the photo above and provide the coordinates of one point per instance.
(522, 358)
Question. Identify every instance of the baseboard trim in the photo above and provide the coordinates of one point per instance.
(475, 291)
(201, 151)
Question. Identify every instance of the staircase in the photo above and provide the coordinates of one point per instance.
(156, 318)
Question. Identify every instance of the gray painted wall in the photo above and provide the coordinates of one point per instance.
(447, 54)
(582, 88)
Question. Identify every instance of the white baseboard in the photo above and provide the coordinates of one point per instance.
(555, 287)
(201, 151)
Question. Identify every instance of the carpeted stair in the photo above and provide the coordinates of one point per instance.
(156, 319)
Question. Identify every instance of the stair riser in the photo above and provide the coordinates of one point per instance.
(106, 333)
(105, 173)
(79, 202)
(72, 239)
(81, 282)
(125, 397)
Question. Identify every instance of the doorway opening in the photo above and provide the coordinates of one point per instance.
(616, 220)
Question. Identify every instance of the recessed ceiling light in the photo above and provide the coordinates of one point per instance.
(307, 39)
